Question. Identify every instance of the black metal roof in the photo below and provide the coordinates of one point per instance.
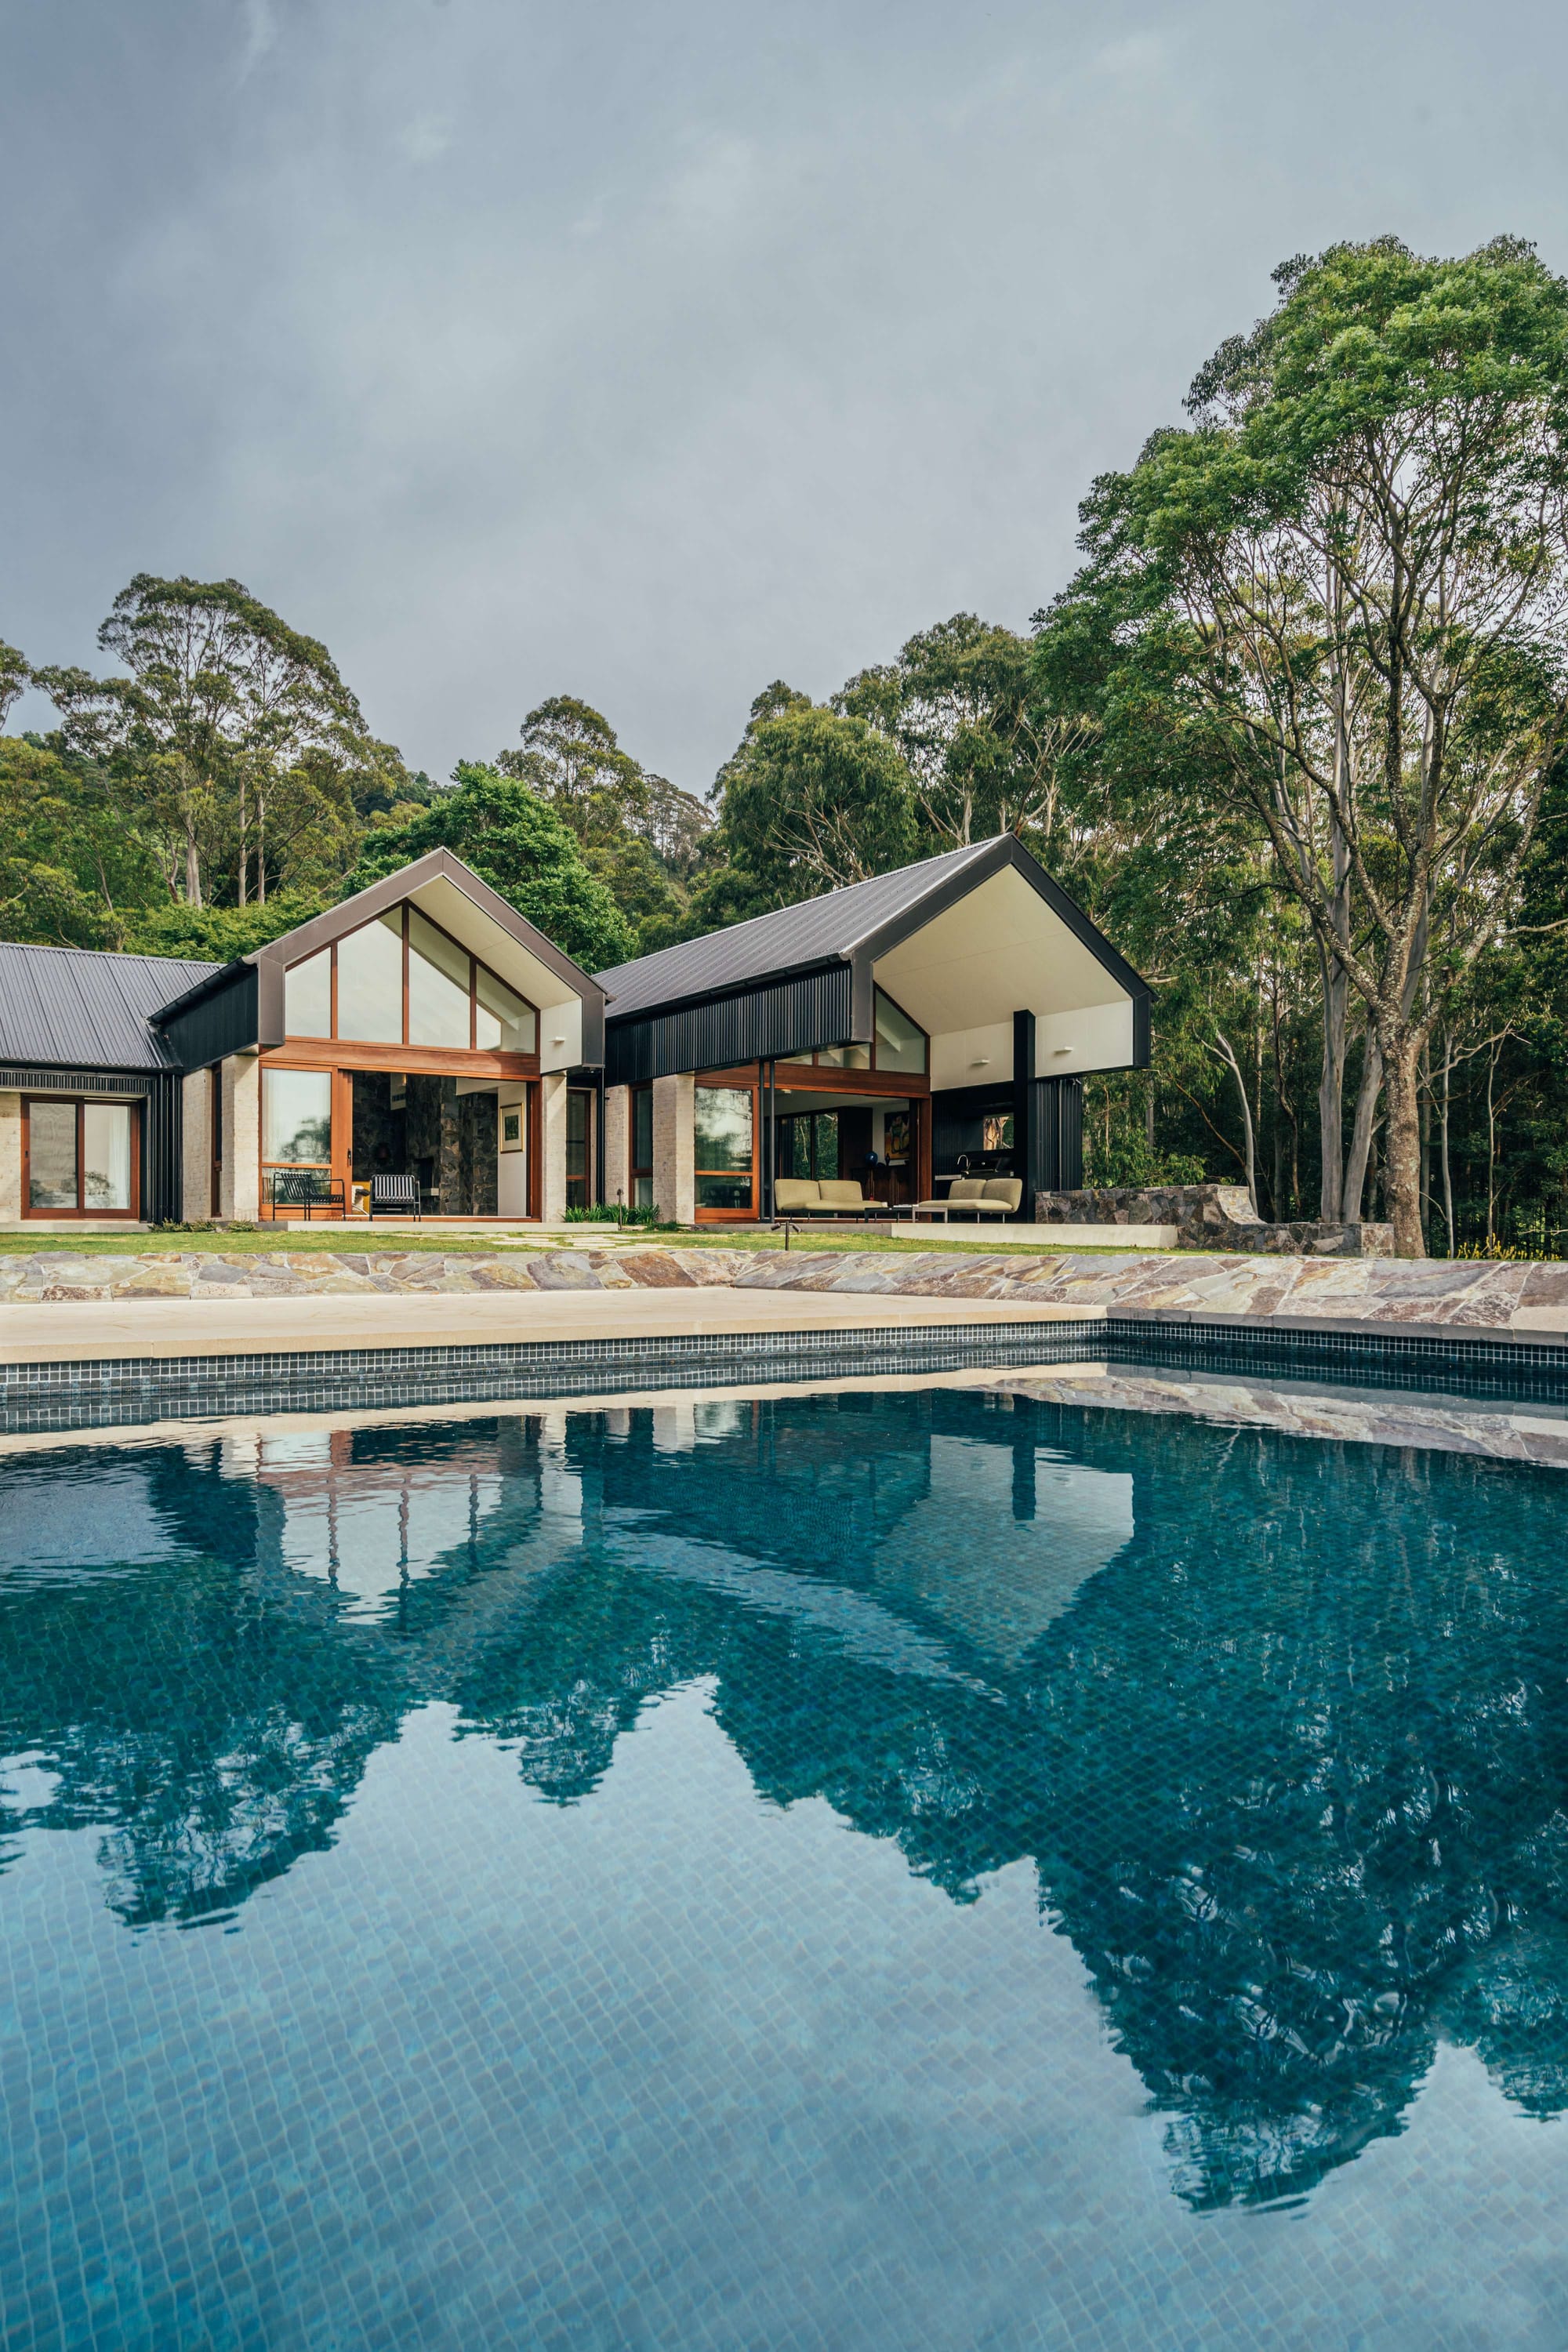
(79, 1008)
(866, 919)
(815, 931)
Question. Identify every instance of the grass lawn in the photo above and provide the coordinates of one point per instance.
(15, 1243)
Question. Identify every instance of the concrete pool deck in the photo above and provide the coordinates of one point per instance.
(77, 1331)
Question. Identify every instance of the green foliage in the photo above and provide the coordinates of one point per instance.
(985, 754)
(617, 1213)
(811, 799)
(230, 738)
(520, 847)
(640, 834)
(14, 676)
(69, 862)
(217, 934)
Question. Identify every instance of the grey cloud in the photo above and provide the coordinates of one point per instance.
(650, 353)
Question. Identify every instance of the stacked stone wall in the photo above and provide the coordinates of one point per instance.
(1210, 1217)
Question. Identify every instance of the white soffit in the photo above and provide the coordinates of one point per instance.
(441, 899)
(1000, 949)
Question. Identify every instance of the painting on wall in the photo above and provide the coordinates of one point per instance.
(896, 1135)
(512, 1127)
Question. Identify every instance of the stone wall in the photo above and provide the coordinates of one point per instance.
(1211, 1216)
(1516, 1300)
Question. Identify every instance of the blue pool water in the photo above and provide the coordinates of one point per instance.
(904, 1870)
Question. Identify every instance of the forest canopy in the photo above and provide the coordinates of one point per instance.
(1294, 735)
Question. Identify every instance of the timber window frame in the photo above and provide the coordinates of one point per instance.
(481, 981)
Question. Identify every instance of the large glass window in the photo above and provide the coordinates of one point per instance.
(579, 1137)
(296, 1118)
(808, 1143)
(899, 1045)
(369, 983)
(845, 1058)
(81, 1158)
(51, 1155)
(503, 1021)
(106, 1157)
(722, 1139)
(642, 1148)
(438, 974)
(307, 996)
(452, 1001)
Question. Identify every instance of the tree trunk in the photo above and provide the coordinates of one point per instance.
(244, 845)
(1447, 1170)
(1228, 1055)
(193, 867)
(1401, 1153)
(1361, 1133)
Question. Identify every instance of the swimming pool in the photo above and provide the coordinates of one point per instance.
(926, 1868)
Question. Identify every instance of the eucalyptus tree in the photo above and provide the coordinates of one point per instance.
(219, 700)
(812, 799)
(1346, 581)
(959, 703)
(14, 675)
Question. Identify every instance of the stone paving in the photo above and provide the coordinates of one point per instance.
(1466, 1296)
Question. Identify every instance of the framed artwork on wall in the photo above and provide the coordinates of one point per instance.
(896, 1136)
(512, 1127)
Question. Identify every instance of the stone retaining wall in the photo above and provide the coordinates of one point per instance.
(1211, 1216)
(1517, 1299)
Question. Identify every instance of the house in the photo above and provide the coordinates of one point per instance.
(879, 1033)
(424, 1028)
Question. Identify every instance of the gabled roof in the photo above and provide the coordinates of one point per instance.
(436, 864)
(79, 1008)
(235, 1006)
(858, 923)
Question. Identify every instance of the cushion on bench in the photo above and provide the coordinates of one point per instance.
(792, 1193)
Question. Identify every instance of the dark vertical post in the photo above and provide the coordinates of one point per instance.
(770, 1148)
(1033, 1158)
(1070, 1133)
(599, 1139)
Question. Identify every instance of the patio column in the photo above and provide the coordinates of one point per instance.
(674, 1148)
(10, 1156)
(617, 1145)
(552, 1147)
(240, 1193)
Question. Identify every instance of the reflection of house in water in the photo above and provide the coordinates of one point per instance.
(1128, 1650)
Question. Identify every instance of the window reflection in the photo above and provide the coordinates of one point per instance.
(51, 1155)
(296, 1118)
(370, 981)
(308, 997)
(438, 986)
(106, 1156)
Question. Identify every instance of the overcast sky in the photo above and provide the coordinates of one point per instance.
(650, 350)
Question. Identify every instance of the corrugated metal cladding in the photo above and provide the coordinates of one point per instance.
(77, 1005)
(223, 1022)
(789, 1017)
(162, 1140)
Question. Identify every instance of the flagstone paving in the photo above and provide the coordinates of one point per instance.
(1468, 1295)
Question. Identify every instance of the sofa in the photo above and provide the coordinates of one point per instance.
(803, 1196)
(975, 1196)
